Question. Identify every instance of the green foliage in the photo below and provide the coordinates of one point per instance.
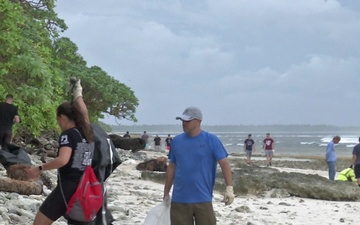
(24, 68)
(43, 11)
(102, 93)
(105, 94)
(36, 64)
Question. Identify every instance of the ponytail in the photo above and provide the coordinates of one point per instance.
(73, 113)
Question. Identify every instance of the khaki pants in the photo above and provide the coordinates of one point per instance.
(187, 214)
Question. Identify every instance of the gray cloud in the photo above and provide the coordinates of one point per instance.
(241, 62)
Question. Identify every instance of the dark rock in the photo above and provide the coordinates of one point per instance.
(133, 144)
(46, 181)
(259, 180)
(284, 212)
(265, 181)
(243, 208)
(43, 157)
(284, 203)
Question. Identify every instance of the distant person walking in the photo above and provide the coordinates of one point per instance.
(268, 147)
(331, 156)
(193, 158)
(127, 135)
(145, 137)
(356, 162)
(168, 142)
(157, 141)
(249, 148)
(8, 116)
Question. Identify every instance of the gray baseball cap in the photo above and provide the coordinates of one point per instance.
(190, 113)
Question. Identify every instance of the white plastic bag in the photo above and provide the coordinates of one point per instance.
(159, 215)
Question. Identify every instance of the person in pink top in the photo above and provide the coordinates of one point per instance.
(268, 146)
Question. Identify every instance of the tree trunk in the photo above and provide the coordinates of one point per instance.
(21, 187)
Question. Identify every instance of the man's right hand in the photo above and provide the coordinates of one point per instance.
(167, 199)
(229, 195)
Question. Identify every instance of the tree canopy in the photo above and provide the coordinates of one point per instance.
(36, 63)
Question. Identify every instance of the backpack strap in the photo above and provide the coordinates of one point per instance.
(61, 189)
(78, 133)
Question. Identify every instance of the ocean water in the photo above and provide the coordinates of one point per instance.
(292, 144)
(289, 141)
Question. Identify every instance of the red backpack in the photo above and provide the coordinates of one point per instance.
(86, 201)
(88, 197)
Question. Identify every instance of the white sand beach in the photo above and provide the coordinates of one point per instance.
(130, 198)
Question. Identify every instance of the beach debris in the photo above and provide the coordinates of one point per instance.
(342, 220)
(243, 208)
(21, 187)
(19, 172)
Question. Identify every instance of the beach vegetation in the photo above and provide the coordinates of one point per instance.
(36, 64)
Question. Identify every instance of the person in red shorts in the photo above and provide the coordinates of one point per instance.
(168, 142)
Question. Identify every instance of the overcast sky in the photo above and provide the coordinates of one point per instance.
(241, 62)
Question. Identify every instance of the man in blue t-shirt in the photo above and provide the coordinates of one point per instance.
(193, 158)
(249, 148)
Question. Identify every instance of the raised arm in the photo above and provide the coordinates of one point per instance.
(78, 100)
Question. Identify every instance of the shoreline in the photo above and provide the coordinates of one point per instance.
(300, 162)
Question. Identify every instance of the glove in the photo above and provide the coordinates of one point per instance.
(229, 195)
(167, 199)
(76, 87)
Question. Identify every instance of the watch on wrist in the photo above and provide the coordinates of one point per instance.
(40, 168)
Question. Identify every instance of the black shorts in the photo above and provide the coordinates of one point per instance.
(54, 205)
(357, 171)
